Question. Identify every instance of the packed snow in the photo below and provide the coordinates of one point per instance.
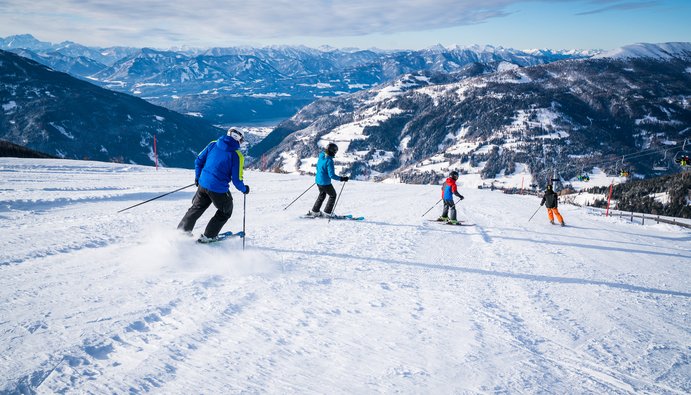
(96, 301)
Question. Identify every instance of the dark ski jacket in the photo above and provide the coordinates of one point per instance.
(449, 189)
(325, 170)
(220, 163)
(550, 200)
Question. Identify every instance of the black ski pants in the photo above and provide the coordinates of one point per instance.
(201, 201)
(323, 191)
(449, 209)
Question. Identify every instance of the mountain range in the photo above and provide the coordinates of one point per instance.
(246, 84)
(481, 109)
(568, 116)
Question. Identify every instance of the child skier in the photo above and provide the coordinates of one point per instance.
(448, 191)
(551, 200)
(215, 167)
(326, 173)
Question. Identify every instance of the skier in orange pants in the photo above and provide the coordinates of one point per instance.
(552, 201)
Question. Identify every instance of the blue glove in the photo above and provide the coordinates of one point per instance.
(247, 189)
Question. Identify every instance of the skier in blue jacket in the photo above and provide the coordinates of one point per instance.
(326, 173)
(215, 167)
(448, 191)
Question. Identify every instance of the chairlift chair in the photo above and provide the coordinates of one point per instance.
(682, 157)
(663, 164)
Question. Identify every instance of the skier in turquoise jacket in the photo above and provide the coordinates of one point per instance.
(326, 173)
(219, 164)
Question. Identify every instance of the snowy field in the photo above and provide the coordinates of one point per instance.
(92, 301)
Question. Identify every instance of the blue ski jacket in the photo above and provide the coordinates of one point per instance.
(325, 170)
(220, 163)
(449, 189)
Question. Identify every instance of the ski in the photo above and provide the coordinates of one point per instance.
(459, 223)
(222, 236)
(336, 217)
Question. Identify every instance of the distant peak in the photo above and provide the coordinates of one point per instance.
(664, 51)
(23, 41)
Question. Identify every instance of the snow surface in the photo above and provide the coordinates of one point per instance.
(92, 301)
(664, 51)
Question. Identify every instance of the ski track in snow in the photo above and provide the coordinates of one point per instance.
(94, 301)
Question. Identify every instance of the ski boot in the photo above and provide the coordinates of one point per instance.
(563, 224)
(314, 214)
(442, 219)
(551, 222)
(452, 222)
(204, 240)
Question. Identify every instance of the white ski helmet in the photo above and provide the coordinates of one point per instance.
(236, 134)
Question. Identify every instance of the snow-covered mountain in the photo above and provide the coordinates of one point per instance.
(673, 50)
(26, 41)
(73, 65)
(240, 84)
(92, 301)
(570, 115)
(104, 56)
(60, 115)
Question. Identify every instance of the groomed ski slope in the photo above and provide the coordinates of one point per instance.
(92, 301)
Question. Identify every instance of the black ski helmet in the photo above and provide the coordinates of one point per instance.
(331, 149)
(454, 175)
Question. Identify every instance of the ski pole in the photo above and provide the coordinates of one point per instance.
(435, 205)
(296, 199)
(337, 199)
(531, 217)
(244, 210)
(157, 197)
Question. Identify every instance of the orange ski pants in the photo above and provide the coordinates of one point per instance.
(551, 212)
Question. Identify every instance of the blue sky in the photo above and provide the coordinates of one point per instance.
(390, 24)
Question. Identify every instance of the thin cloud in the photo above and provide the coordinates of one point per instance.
(622, 7)
(200, 22)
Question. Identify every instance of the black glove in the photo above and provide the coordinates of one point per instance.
(247, 189)
(196, 183)
(542, 204)
(344, 179)
(461, 196)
